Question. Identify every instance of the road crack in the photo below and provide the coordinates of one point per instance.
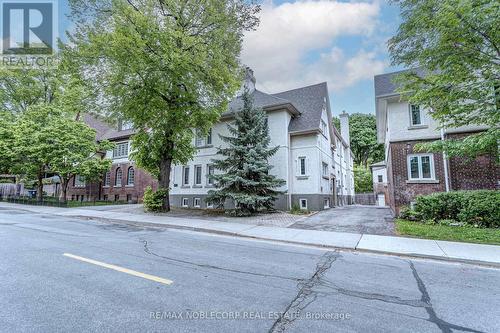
(306, 294)
(444, 326)
(148, 251)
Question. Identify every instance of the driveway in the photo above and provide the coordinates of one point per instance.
(356, 219)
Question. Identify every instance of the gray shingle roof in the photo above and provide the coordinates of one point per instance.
(384, 84)
(310, 102)
(260, 100)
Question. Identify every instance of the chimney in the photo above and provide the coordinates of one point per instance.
(344, 127)
(248, 82)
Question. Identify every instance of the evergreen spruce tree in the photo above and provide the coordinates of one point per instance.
(246, 179)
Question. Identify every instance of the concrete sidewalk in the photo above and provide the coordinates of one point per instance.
(463, 252)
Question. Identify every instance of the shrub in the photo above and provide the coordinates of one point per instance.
(153, 201)
(296, 210)
(409, 214)
(479, 208)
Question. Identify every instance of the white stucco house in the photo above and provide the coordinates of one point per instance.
(313, 158)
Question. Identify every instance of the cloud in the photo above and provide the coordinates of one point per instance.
(295, 44)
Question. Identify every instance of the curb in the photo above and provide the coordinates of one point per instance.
(288, 242)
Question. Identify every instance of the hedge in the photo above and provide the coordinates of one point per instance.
(478, 208)
(153, 201)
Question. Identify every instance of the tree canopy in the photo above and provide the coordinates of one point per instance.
(363, 134)
(168, 67)
(456, 46)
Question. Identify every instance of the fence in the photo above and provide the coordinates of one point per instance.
(365, 199)
(11, 190)
(52, 202)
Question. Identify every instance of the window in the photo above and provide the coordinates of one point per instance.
(79, 181)
(197, 174)
(380, 179)
(118, 177)
(201, 140)
(185, 176)
(105, 197)
(209, 137)
(121, 150)
(420, 167)
(125, 125)
(197, 202)
(107, 178)
(210, 205)
(303, 203)
(129, 197)
(325, 169)
(130, 176)
(302, 166)
(324, 128)
(185, 202)
(415, 115)
(326, 203)
(117, 197)
(210, 172)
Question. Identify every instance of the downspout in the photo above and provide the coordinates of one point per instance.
(290, 175)
(445, 165)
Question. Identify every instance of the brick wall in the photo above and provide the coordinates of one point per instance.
(464, 174)
(404, 192)
(124, 192)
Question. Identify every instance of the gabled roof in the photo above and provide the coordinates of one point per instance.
(260, 100)
(305, 104)
(94, 122)
(310, 102)
(384, 83)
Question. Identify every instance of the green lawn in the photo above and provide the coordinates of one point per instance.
(444, 232)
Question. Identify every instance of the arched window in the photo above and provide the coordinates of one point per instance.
(130, 176)
(118, 177)
(107, 179)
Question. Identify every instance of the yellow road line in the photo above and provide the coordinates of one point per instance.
(120, 269)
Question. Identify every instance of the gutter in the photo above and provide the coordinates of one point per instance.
(445, 164)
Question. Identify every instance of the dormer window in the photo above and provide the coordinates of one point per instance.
(124, 125)
(201, 140)
(415, 115)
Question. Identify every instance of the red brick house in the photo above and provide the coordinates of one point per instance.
(400, 126)
(125, 181)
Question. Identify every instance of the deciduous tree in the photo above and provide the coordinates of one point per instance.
(456, 46)
(169, 67)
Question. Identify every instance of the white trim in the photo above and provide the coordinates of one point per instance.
(410, 112)
(199, 202)
(195, 168)
(420, 171)
(300, 203)
(185, 202)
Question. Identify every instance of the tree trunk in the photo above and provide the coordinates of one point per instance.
(39, 192)
(164, 180)
(64, 190)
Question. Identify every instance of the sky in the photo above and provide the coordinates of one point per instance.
(304, 42)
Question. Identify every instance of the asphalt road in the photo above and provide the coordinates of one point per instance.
(357, 219)
(70, 275)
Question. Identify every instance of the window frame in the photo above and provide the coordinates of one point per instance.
(78, 182)
(198, 171)
(420, 167)
(131, 168)
(185, 202)
(185, 172)
(199, 202)
(301, 200)
(118, 184)
(210, 182)
(380, 178)
(300, 159)
(107, 179)
(116, 151)
(324, 169)
(410, 110)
